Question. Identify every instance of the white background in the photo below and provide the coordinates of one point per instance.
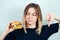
(13, 10)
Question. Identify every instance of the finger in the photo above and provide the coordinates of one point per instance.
(49, 23)
(10, 25)
(49, 19)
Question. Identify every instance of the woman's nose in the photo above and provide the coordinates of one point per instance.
(30, 16)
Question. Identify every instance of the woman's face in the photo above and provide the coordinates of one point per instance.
(31, 16)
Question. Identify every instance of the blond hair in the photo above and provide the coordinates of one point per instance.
(39, 17)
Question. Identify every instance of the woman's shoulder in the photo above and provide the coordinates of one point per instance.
(48, 31)
(16, 31)
(53, 24)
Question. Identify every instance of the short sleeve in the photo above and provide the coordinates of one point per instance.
(10, 36)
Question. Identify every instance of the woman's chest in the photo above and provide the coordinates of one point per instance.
(31, 35)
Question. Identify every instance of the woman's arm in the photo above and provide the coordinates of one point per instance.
(8, 30)
(57, 20)
(50, 17)
(52, 28)
(4, 34)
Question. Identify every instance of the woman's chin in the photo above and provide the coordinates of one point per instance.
(30, 23)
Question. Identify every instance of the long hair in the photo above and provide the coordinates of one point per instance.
(39, 17)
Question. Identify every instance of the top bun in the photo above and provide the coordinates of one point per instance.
(17, 25)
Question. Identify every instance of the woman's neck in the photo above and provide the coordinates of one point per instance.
(31, 26)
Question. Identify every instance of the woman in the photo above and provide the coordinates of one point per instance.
(32, 26)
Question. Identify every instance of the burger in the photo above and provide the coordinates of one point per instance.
(16, 25)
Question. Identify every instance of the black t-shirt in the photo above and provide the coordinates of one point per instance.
(46, 32)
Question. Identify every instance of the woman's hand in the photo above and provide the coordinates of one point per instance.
(50, 17)
(10, 27)
(8, 30)
(14, 25)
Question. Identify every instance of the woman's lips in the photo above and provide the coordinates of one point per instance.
(30, 20)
